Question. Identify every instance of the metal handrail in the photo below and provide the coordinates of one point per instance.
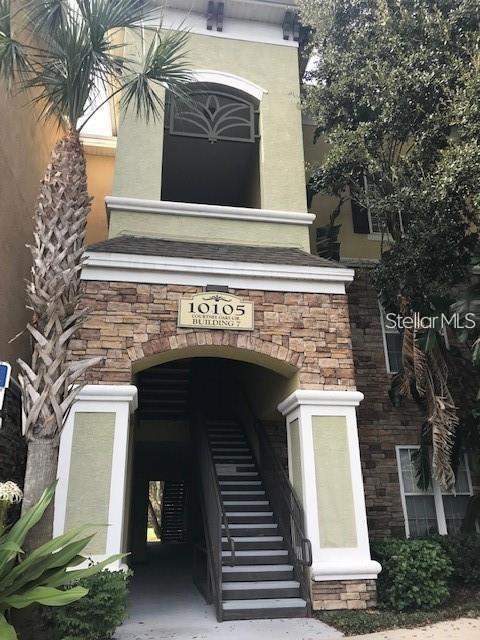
(285, 503)
(214, 516)
(218, 495)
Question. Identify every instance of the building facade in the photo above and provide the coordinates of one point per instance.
(24, 154)
(231, 352)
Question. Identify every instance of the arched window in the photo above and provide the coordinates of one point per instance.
(211, 147)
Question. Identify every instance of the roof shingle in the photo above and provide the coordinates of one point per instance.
(140, 245)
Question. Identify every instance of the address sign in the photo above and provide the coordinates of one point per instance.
(215, 310)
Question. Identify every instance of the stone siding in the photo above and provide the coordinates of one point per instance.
(343, 594)
(380, 425)
(128, 322)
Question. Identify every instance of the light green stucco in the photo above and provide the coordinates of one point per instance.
(138, 172)
(336, 511)
(90, 475)
(296, 459)
(208, 229)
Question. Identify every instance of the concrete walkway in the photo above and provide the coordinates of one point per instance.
(461, 629)
(165, 605)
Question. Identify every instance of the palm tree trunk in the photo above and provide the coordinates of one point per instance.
(53, 295)
(41, 472)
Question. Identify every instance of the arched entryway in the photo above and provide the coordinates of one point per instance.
(206, 429)
(174, 396)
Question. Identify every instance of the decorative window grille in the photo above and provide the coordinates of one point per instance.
(432, 511)
(392, 344)
(213, 116)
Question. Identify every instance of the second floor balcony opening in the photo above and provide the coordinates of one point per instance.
(211, 148)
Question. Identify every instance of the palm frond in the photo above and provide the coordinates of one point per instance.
(63, 73)
(46, 16)
(105, 15)
(13, 55)
(421, 459)
(164, 66)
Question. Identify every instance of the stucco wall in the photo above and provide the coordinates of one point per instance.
(274, 68)
(352, 245)
(204, 229)
(24, 151)
(100, 170)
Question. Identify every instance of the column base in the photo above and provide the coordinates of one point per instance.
(331, 595)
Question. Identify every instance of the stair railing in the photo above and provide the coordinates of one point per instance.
(285, 503)
(214, 516)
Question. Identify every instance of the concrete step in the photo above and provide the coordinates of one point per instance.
(227, 438)
(252, 529)
(262, 556)
(241, 485)
(264, 608)
(243, 495)
(232, 457)
(244, 505)
(257, 572)
(245, 543)
(249, 517)
(237, 475)
(264, 589)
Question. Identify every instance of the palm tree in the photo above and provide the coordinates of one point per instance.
(64, 53)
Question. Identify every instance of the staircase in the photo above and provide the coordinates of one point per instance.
(163, 391)
(172, 524)
(259, 581)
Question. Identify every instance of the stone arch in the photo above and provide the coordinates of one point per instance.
(222, 344)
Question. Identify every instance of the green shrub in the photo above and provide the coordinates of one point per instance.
(414, 574)
(41, 578)
(99, 613)
(463, 549)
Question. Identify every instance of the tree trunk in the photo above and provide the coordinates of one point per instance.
(53, 294)
(40, 473)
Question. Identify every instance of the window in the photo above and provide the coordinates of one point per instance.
(432, 511)
(364, 221)
(392, 343)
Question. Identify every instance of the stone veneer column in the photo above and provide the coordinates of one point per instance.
(325, 470)
(93, 467)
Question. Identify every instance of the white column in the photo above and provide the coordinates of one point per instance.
(309, 411)
(121, 401)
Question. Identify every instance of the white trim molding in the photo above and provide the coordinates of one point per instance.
(110, 393)
(330, 563)
(211, 76)
(99, 145)
(123, 267)
(254, 29)
(122, 401)
(319, 398)
(188, 209)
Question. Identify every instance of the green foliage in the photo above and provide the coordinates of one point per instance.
(396, 93)
(327, 243)
(80, 54)
(463, 604)
(414, 574)
(98, 614)
(463, 550)
(40, 577)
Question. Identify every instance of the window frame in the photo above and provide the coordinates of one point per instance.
(436, 491)
(374, 234)
(384, 338)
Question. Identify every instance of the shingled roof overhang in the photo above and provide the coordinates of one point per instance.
(157, 260)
